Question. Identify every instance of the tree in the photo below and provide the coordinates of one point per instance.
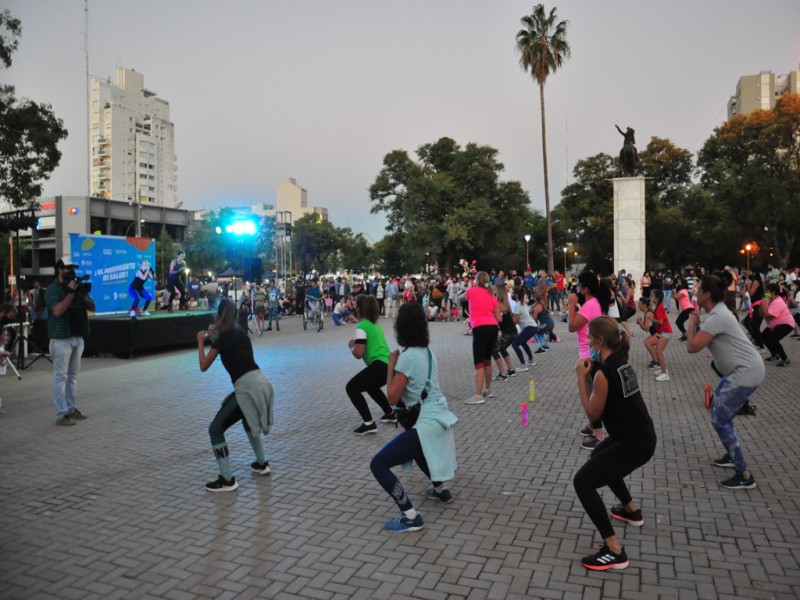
(29, 132)
(315, 242)
(450, 205)
(165, 252)
(543, 48)
(751, 164)
(356, 254)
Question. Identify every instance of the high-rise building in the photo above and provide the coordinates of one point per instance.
(132, 142)
(760, 92)
(293, 199)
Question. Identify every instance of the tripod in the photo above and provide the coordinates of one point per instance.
(22, 340)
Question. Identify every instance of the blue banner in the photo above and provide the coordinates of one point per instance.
(111, 263)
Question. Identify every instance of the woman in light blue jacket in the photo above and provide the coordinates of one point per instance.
(430, 442)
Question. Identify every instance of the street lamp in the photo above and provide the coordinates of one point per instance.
(527, 259)
(565, 260)
(138, 229)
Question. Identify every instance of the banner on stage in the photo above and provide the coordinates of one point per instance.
(111, 262)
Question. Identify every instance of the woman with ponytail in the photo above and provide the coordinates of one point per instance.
(484, 316)
(612, 394)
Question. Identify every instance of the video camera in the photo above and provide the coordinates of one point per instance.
(84, 285)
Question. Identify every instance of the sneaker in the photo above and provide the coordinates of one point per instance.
(724, 463)
(132, 313)
(512, 373)
(653, 365)
(531, 364)
(784, 363)
(623, 514)
(738, 482)
(260, 468)
(773, 358)
(77, 415)
(488, 394)
(65, 421)
(522, 368)
(389, 419)
(220, 485)
(540, 351)
(501, 377)
(590, 442)
(475, 399)
(402, 524)
(662, 377)
(605, 559)
(586, 431)
(146, 313)
(364, 429)
(747, 410)
(445, 497)
(683, 338)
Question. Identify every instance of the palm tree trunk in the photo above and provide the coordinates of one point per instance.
(550, 266)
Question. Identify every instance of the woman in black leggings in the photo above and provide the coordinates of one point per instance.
(613, 395)
(250, 402)
(369, 344)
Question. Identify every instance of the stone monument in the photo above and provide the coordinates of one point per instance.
(629, 225)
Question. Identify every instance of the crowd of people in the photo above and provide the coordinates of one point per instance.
(744, 313)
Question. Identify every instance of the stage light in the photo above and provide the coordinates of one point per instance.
(244, 227)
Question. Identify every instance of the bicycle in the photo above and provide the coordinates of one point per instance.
(316, 317)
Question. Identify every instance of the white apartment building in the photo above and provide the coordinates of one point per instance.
(293, 199)
(132, 142)
(760, 92)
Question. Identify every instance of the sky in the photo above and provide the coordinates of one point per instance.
(321, 91)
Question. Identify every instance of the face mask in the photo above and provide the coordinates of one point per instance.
(595, 356)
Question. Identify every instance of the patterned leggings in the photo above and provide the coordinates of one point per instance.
(728, 399)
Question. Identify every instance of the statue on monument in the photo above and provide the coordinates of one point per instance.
(628, 156)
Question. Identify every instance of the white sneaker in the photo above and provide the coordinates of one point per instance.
(475, 399)
(488, 394)
(662, 377)
(132, 313)
(521, 368)
(146, 313)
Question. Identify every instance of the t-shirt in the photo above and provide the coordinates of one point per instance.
(371, 334)
(559, 279)
(734, 355)
(236, 352)
(590, 310)
(667, 283)
(481, 307)
(524, 314)
(660, 313)
(625, 415)
(779, 312)
(684, 302)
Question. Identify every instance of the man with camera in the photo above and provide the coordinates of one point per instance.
(67, 324)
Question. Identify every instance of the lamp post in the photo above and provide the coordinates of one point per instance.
(527, 259)
(565, 261)
(138, 228)
(747, 248)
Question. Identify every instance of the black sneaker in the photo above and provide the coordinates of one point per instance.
(65, 421)
(77, 415)
(364, 429)
(445, 497)
(512, 373)
(260, 468)
(501, 377)
(773, 358)
(653, 365)
(222, 485)
(590, 442)
(738, 482)
(389, 419)
(586, 431)
(540, 351)
(683, 338)
(623, 514)
(605, 559)
(725, 462)
(784, 363)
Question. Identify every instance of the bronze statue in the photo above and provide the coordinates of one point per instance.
(628, 156)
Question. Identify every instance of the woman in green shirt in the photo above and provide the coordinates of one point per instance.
(370, 345)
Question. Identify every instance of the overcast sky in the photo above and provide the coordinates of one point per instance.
(320, 91)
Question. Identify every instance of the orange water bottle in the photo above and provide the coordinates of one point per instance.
(524, 414)
(708, 396)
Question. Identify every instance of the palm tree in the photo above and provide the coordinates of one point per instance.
(543, 47)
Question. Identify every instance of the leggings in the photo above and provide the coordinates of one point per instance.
(503, 342)
(521, 341)
(228, 415)
(172, 283)
(484, 338)
(136, 294)
(609, 462)
(370, 380)
(728, 399)
(755, 327)
(682, 318)
(773, 337)
(402, 449)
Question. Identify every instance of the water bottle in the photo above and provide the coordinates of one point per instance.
(524, 413)
(532, 392)
(708, 396)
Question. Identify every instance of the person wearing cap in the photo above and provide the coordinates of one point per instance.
(67, 325)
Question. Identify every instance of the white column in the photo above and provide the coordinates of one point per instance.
(629, 225)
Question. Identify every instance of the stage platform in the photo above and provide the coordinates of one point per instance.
(123, 336)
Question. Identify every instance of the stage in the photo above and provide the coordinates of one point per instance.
(122, 335)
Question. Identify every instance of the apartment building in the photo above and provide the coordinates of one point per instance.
(760, 92)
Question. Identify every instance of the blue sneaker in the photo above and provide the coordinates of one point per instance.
(444, 496)
(402, 524)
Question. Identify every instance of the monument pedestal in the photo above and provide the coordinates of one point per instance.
(629, 226)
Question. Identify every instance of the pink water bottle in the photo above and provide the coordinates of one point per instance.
(524, 412)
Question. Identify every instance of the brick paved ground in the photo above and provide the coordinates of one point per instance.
(115, 508)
